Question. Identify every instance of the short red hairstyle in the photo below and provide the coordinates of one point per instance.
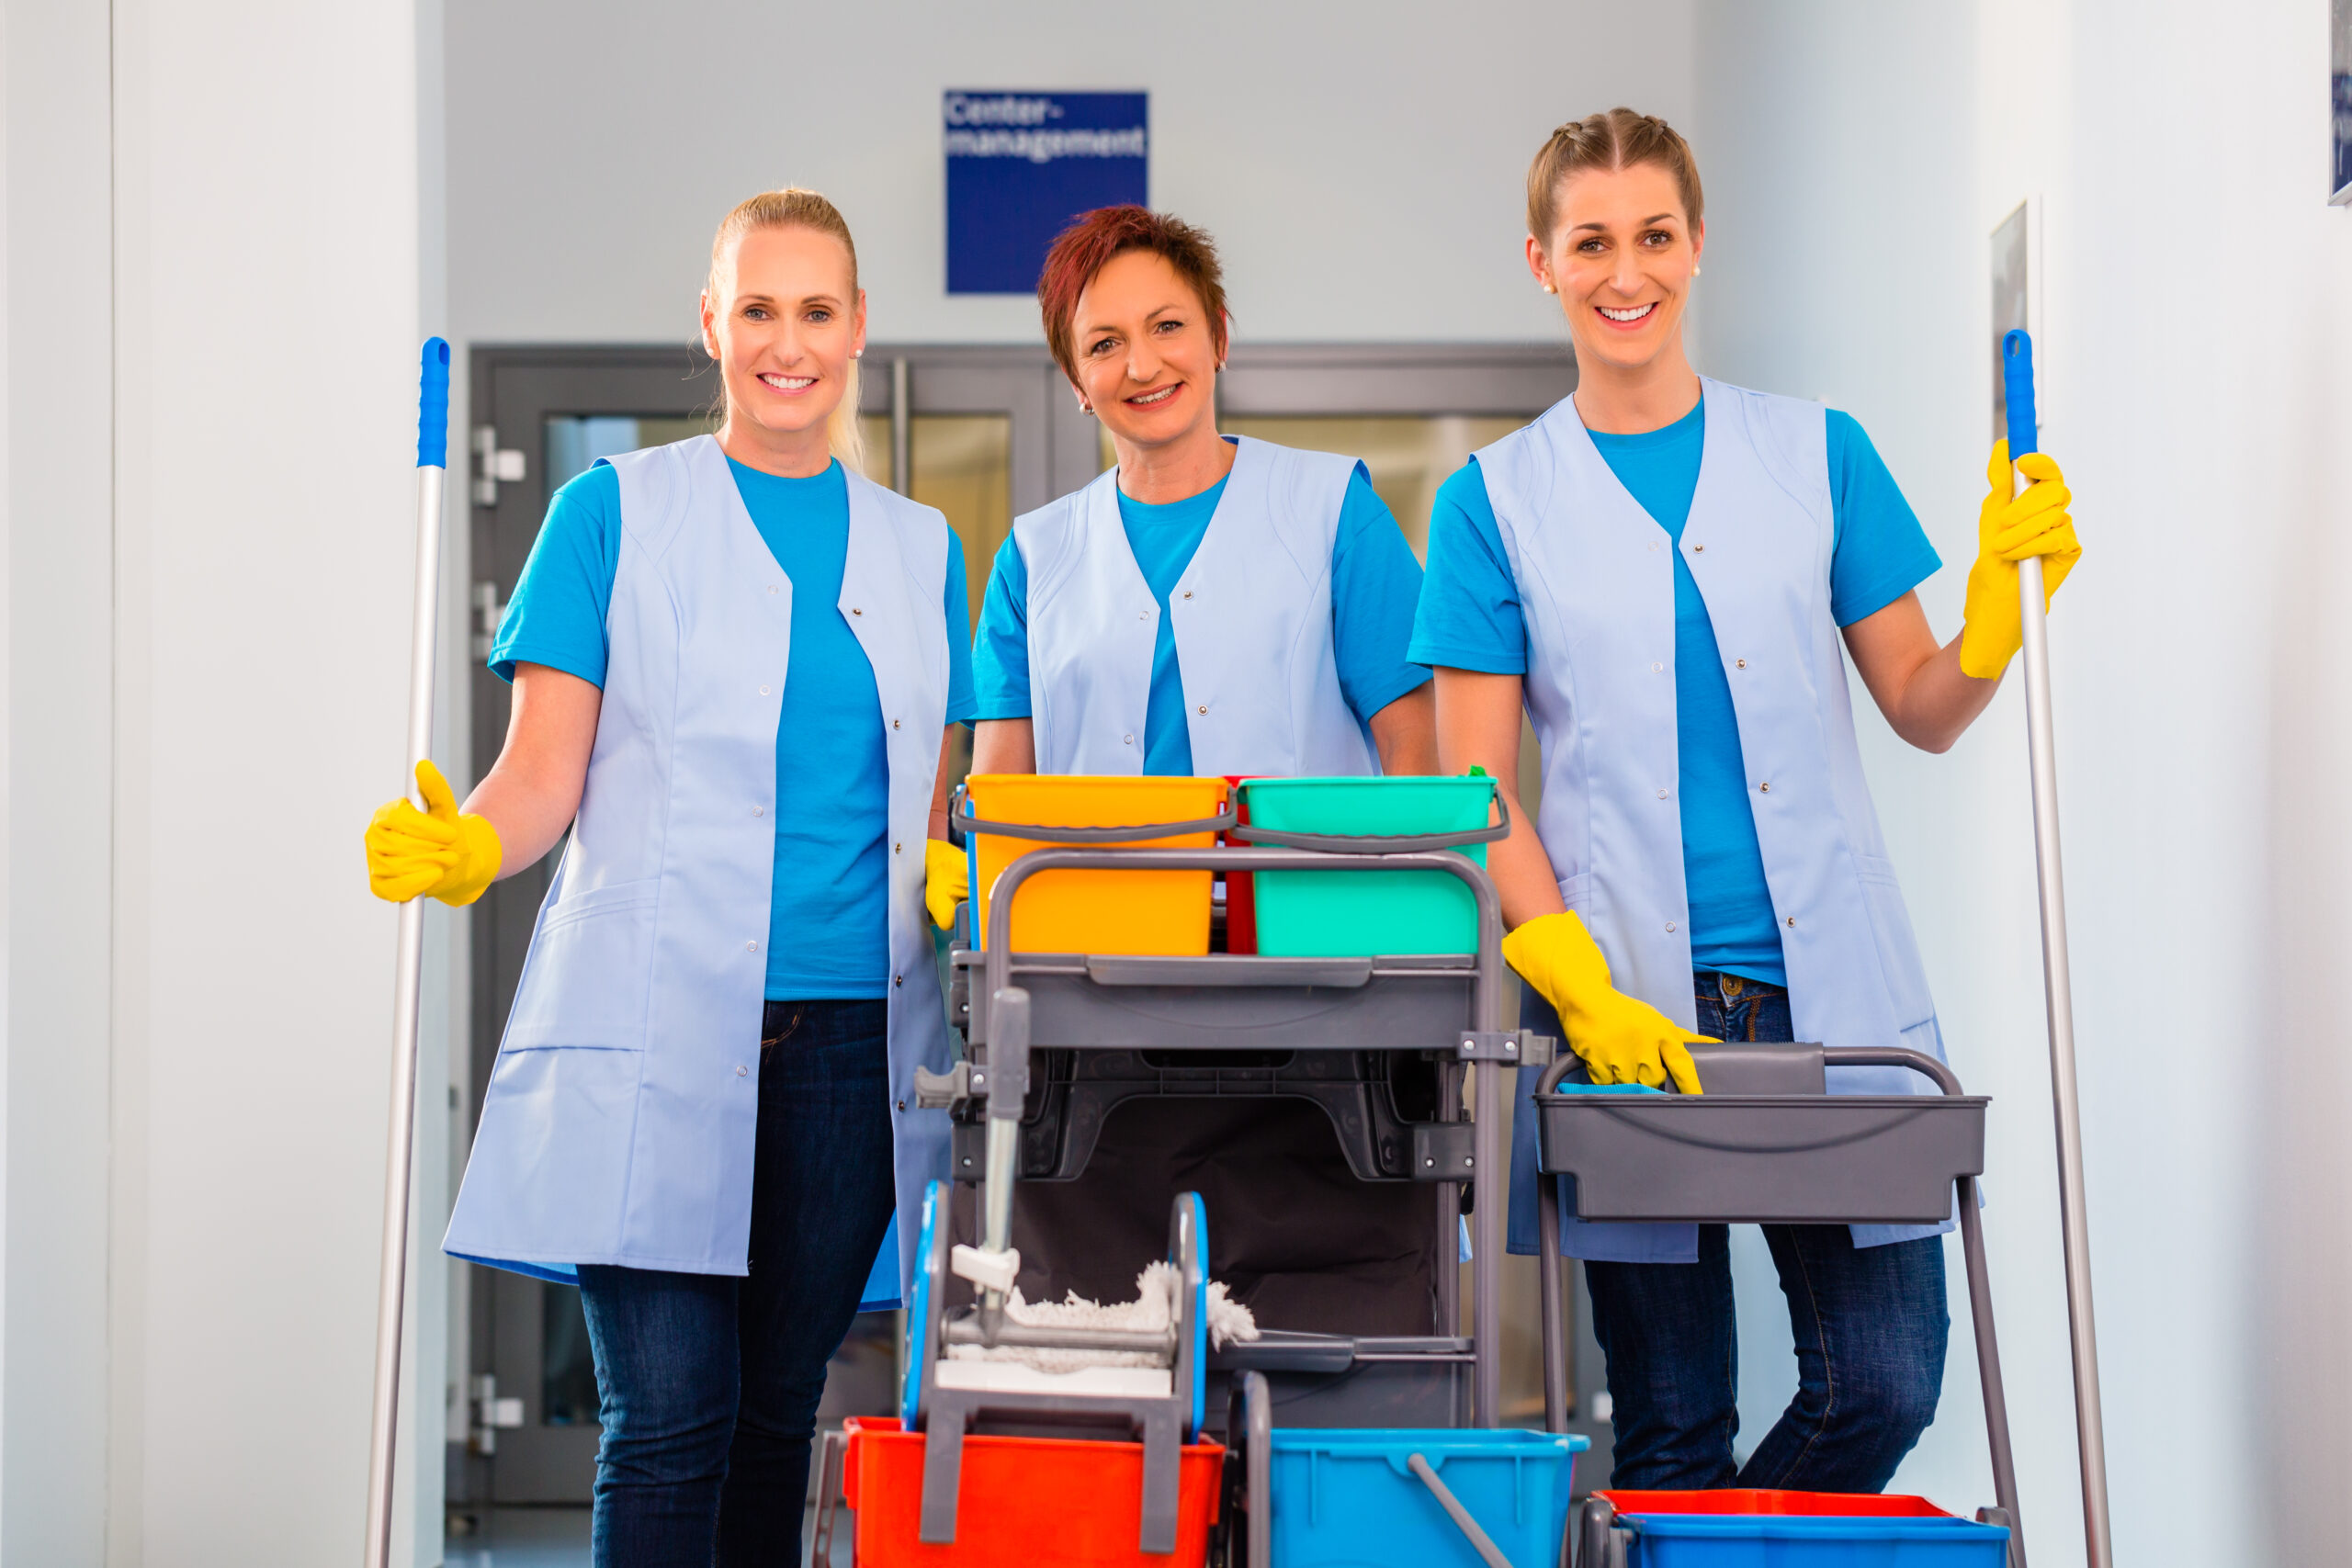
(1086, 247)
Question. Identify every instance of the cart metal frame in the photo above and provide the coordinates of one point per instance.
(1771, 1203)
(1229, 1001)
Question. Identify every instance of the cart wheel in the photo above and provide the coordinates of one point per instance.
(1188, 1249)
(931, 1272)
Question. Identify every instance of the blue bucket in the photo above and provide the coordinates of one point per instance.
(1698, 1541)
(1351, 1498)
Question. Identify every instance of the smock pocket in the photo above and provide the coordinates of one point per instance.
(1899, 950)
(547, 1180)
(1576, 892)
(589, 973)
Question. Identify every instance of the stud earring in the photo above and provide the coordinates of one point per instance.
(1694, 272)
(1549, 290)
(857, 354)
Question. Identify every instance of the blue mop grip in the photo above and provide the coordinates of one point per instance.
(433, 407)
(2016, 377)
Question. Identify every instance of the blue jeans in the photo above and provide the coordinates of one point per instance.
(709, 1382)
(1870, 1323)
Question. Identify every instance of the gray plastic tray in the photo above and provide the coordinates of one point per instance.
(1755, 1159)
(1234, 1002)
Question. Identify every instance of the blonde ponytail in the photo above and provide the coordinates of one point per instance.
(786, 208)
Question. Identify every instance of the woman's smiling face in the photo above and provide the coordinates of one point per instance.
(1147, 351)
(784, 328)
(1621, 255)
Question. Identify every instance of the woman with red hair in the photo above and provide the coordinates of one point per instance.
(1211, 605)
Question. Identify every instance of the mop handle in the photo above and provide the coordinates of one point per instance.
(2017, 367)
(432, 461)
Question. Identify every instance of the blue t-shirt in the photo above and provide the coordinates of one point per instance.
(1375, 584)
(1470, 619)
(829, 916)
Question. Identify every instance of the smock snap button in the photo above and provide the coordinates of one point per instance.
(1699, 550)
(1126, 740)
(771, 587)
(1145, 616)
(1793, 920)
(855, 611)
(894, 724)
(759, 811)
(897, 979)
(1741, 662)
(902, 1105)
(1670, 925)
(1188, 594)
(1203, 708)
(750, 947)
(897, 849)
(763, 691)
(1658, 668)
(1764, 789)
(742, 1072)
(1661, 794)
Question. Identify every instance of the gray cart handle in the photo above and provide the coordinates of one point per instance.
(1375, 843)
(1480, 1541)
(1945, 1078)
(960, 822)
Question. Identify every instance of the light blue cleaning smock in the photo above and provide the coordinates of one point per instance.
(827, 914)
(1471, 620)
(1593, 575)
(618, 1125)
(1254, 628)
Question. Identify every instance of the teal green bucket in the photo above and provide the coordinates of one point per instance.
(1339, 914)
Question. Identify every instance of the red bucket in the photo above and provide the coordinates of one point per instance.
(1751, 1501)
(1023, 1501)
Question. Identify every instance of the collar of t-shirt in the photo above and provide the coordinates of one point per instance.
(1659, 468)
(1163, 535)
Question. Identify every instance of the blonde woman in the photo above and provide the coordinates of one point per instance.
(733, 659)
(1668, 574)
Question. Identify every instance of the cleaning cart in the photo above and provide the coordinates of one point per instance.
(1054, 1040)
(1766, 1144)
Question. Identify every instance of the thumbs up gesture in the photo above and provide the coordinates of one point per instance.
(439, 852)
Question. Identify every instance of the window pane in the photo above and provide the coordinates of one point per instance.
(574, 442)
(1407, 455)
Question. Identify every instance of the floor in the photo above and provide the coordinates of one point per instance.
(545, 1538)
(523, 1537)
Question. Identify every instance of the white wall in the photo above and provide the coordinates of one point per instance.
(53, 1365)
(1362, 165)
(267, 299)
(213, 244)
(1858, 158)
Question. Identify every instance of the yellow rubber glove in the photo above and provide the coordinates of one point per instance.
(411, 853)
(2009, 528)
(946, 880)
(1620, 1039)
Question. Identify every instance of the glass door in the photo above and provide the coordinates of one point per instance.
(982, 433)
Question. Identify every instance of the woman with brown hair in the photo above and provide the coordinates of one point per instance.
(1211, 605)
(734, 660)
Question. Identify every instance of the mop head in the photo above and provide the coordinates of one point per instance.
(1153, 1309)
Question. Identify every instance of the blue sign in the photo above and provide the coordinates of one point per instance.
(1021, 165)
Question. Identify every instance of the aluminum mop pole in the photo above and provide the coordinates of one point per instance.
(2016, 366)
(432, 465)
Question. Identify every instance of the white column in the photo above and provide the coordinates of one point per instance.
(58, 854)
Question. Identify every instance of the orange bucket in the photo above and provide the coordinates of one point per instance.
(1095, 911)
(1023, 1501)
